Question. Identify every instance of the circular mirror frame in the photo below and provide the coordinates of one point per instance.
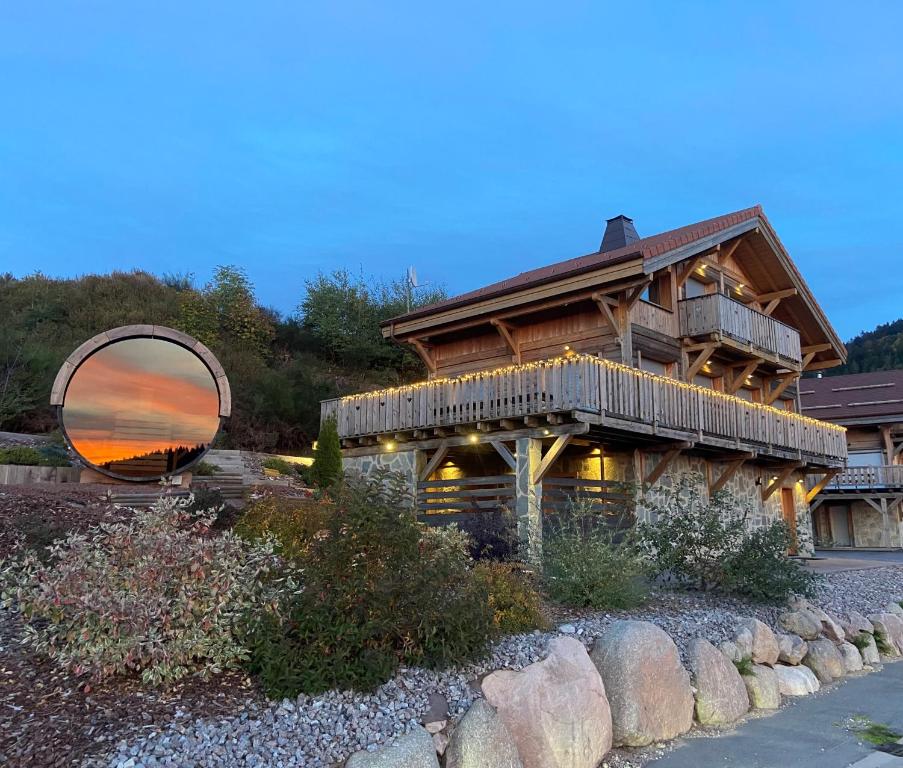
(92, 345)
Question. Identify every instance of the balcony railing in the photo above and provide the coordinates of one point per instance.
(716, 313)
(872, 478)
(625, 398)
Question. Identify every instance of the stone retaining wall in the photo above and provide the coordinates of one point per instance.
(15, 474)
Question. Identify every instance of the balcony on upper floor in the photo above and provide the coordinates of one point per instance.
(735, 324)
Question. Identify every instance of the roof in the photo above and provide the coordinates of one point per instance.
(646, 247)
(855, 397)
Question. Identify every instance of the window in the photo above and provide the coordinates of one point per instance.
(866, 459)
(659, 291)
(654, 366)
(693, 288)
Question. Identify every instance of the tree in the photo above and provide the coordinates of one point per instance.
(327, 466)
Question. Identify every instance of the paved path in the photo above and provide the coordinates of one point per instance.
(805, 734)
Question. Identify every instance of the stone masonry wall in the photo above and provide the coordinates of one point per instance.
(405, 463)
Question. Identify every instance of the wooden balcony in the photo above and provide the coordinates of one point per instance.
(716, 315)
(610, 397)
(871, 479)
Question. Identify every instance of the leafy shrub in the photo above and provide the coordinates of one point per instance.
(292, 523)
(493, 535)
(158, 595)
(882, 643)
(205, 469)
(862, 641)
(590, 563)
(705, 544)
(379, 590)
(515, 603)
(49, 456)
(327, 466)
(212, 501)
(282, 466)
(744, 666)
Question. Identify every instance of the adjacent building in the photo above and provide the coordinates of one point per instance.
(645, 359)
(861, 506)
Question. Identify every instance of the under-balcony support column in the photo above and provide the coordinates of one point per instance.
(528, 499)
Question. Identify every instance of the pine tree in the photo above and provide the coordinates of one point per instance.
(327, 466)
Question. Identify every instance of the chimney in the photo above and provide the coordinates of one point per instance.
(619, 232)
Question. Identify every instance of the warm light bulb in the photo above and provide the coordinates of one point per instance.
(390, 446)
(473, 437)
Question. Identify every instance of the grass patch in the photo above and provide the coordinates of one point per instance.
(744, 666)
(874, 733)
(884, 646)
(281, 466)
(205, 469)
(862, 641)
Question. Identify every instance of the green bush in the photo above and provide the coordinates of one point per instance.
(493, 535)
(705, 544)
(760, 569)
(862, 641)
(744, 666)
(515, 603)
(157, 596)
(49, 456)
(379, 590)
(590, 561)
(291, 522)
(205, 469)
(883, 644)
(282, 466)
(327, 466)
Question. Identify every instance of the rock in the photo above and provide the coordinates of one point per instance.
(744, 642)
(555, 709)
(891, 627)
(824, 660)
(796, 681)
(481, 740)
(649, 690)
(440, 742)
(869, 652)
(803, 623)
(763, 688)
(730, 649)
(830, 627)
(437, 710)
(855, 624)
(414, 750)
(567, 629)
(721, 696)
(852, 659)
(764, 646)
(792, 648)
(894, 608)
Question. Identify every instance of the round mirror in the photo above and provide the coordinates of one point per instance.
(141, 408)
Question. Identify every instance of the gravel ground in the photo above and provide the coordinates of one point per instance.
(321, 731)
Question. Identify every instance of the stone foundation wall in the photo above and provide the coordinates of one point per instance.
(868, 527)
(404, 463)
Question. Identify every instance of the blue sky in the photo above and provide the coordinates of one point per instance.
(472, 140)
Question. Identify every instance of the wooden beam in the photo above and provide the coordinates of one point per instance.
(503, 451)
(821, 484)
(723, 256)
(815, 348)
(605, 309)
(888, 443)
(727, 473)
(435, 460)
(701, 360)
(772, 295)
(871, 502)
(425, 355)
(505, 332)
(632, 295)
(822, 364)
(663, 463)
(786, 380)
(548, 460)
(734, 385)
(779, 480)
(690, 267)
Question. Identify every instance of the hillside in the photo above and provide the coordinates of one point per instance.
(878, 350)
(279, 367)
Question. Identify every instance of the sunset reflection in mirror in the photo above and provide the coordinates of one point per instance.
(141, 407)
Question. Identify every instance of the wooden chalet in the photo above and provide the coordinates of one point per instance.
(861, 507)
(647, 358)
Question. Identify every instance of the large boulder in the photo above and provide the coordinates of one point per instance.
(792, 649)
(852, 659)
(856, 624)
(891, 627)
(481, 740)
(730, 650)
(763, 687)
(830, 627)
(721, 696)
(895, 608)
(803, 623)
(764, 647)
(414, 750)
(743, 640)
(556, 709)
(824, 660)
(649, 690)
(796, 681)
(869, 651)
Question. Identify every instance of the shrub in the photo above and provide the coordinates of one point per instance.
(292, 523)
(862, 640)
(883, 645)
(212, 501)
(493, 535)
(327, 466)
(205, 469)
(49, 456)
(515, 603)
(282, 466)
(744, 666)
(589, 561)
(760, 569)
(379, 590)
(705, 544)
(158, 595)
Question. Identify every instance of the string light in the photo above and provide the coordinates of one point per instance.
(473, 437)
(390, 446)
(573, 360)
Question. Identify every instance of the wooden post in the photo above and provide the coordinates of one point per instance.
(528, 499)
